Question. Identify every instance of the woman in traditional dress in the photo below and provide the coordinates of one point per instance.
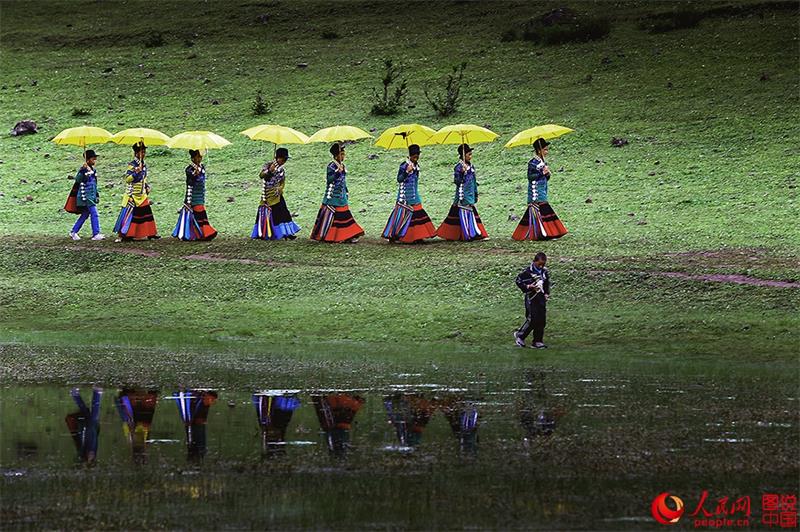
(463, 221)
(135, 220)
(273, 219)
(334, 221)
(539, 221)
(84, 197)
(193, 220)
(409, 223)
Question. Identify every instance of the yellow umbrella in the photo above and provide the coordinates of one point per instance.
(403, 135)
(529, 136)
(276, 135)
(151, 137)
(339, 133)
(463, 134)
(197, 140)
(83, 135)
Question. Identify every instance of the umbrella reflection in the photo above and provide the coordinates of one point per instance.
(274, 413)
(409, 414)
(193, 407)
(136, 407)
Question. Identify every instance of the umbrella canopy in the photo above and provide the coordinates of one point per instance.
(529, 136)
(339, 133)
(404, 135)
(197, 140)
(463, 133)
(151, 137)
(276, 134)
(83, 135)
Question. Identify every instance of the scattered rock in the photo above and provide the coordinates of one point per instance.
(669, 84)
(230, 199)
(109, 185)
(34, 82)
(598, 161)
(149, 75)
(23, 181)
(651, 174)
(206, 81)
(302, 65)
(262, 18)
(46, 156)
(513, 218)
(373, 129)
(605, 61)
(25, 127)
(362, 211)
(108, 70)
(372, 156)
(641, 222)
(295, 214)
(215, 102)
(561, 169)
(331, 93)
(588, 200)
(487, 126)
(28, 198)
(191, 56)
(657, 163)
(619, 142)
(764, 76)
(631, 214)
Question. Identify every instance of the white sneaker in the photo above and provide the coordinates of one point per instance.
(99, 236)
(74, 236)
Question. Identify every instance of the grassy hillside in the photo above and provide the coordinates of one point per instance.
(705, 185)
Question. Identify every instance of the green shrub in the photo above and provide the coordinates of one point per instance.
(446, 103)
(389, 102)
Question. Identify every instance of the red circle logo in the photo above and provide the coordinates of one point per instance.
(663, 513)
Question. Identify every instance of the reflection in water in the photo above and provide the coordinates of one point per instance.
(274, 413)
(193, 407)
(462, 415)
(537, 413)
(335, 412)
(84, 425)
(136, 407)
(409, 414)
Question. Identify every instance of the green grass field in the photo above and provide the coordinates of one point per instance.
(706, 186)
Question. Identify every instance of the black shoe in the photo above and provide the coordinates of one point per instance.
(539, 345)
(154, 237)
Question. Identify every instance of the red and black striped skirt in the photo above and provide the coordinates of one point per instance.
(72, 200)
(335, 224)
(202, 220)
(142, 225)
(539, 223)
(451, 228)
(420, 227)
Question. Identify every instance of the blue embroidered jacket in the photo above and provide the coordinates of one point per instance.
(537, 181)
(195, 185)
(466, 184)
(407, 190)
(336, 189)
(87, 187)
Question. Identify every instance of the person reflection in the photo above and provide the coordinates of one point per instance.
(335, 412)
(274, 412)
(136, 407)
(193, 407)
(409, 414)
(84, 425)
(537, 413)
(462, 415)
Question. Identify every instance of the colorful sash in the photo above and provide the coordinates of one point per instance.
(399, 221)
(263, 227)
(535, 226)
(469, 226)
(187, 227)
(326, 220)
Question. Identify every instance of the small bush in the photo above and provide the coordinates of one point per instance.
(329, 35)
(260, 105)
(446, 103)
(581, 29)
(154, 40)
(389, 102)
(79, 111)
